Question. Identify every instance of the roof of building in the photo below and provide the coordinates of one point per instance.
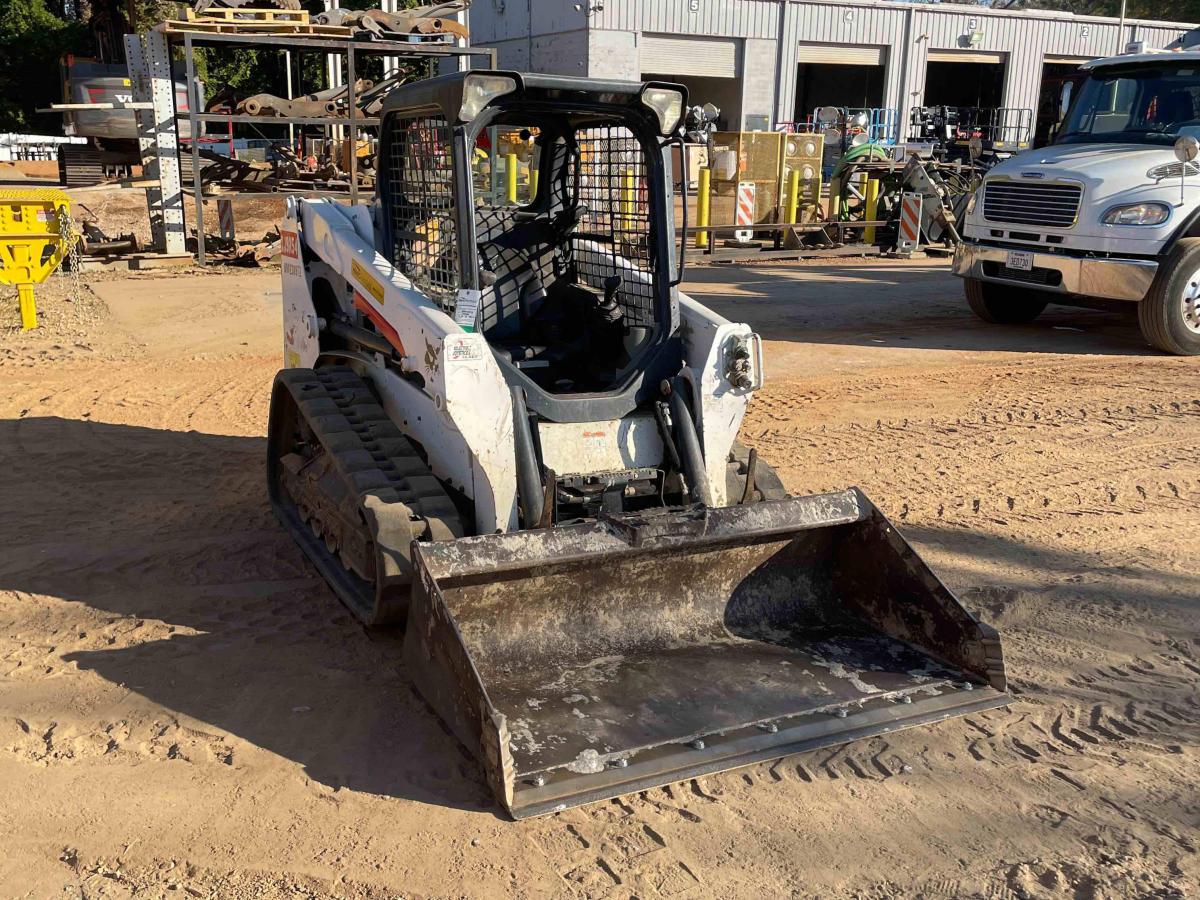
(963, 9)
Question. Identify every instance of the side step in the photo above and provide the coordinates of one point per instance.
(351, 489)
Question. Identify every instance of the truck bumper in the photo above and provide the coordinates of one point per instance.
(1111, 279)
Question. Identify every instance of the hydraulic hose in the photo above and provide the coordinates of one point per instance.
(530, 492)
(688, 442)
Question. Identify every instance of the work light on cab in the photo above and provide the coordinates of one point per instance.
(480, 90)
(667, 105)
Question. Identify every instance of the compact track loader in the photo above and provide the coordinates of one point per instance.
(503, 426)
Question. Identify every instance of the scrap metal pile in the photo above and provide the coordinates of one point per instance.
(375, 24)
(325, 167)
(435, 22)
(332, 102)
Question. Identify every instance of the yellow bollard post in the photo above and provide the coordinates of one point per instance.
(533, 181)
(872, 209)
(835, 199)
(702, 206)
(510, 177)
(793, 196)
(627, 197)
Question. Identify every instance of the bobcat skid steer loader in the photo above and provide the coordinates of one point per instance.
(503, 426)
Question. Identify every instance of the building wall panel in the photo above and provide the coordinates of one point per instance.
(776, 27)
(726, 18)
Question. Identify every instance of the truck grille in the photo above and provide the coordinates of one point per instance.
(1053, 205)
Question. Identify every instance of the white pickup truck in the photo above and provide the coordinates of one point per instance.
(1109, 211)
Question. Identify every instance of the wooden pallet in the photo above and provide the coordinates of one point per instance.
(243, 15)
(250, 26)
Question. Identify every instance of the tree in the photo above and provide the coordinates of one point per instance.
(32, 40)
(1175, 11)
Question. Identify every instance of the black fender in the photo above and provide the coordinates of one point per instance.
(1189, 227)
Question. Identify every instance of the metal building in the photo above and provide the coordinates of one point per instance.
(771, 61)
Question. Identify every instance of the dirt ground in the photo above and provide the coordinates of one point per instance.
(185, 709)
(122, 211)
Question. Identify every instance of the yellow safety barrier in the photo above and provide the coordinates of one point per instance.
(793, 195)
(510, 177)
(32, 243)
(703, 198)
(872, 209)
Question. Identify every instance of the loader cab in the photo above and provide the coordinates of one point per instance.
(566, 262)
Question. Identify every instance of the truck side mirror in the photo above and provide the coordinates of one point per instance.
(1064, 99)
(1187, 148)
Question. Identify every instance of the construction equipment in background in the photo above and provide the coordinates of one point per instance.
(800, 177)
(36, 235)
(502, 424)
(94, 107)
(331, 102)
(700, 124)
(845, 128)
(983, 136)
(869, 184)
(785, 170)
(437, 20)
(928, 209)
(271, 105)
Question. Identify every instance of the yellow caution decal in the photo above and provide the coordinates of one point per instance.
(367, 280)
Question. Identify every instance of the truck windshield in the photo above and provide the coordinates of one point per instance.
(1142, 104)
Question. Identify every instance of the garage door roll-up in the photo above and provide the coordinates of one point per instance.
(967, 56)
(840, 55)
(701, 57)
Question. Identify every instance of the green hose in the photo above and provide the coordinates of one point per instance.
(872, 152)
(853, 156)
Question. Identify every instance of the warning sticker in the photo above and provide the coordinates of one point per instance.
(367, 280)
(289, 244)
(462, 348)
(466, 308)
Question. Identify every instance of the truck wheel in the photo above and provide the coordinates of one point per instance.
(1170, 314)
(767, 485)
(1000, 304)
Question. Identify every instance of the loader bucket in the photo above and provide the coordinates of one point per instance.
(587, 661)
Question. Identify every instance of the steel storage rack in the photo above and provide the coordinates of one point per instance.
(160, 141)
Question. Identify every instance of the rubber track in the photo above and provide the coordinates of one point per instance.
(368, 452)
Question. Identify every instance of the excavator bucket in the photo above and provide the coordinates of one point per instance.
(588, 661)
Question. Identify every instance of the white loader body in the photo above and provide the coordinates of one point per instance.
(462, 415)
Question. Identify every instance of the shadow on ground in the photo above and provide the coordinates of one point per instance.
(174, 526)
(155, 525)
(890, 305)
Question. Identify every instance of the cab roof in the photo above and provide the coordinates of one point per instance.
(444, 94)
(1148, 56)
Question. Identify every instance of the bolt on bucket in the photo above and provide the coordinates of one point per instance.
(588, 661)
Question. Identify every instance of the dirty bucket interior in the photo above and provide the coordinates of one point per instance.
(602, 661)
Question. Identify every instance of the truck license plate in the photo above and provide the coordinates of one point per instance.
(1020, 259)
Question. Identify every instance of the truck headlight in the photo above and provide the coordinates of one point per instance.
(1137, 214)
(971, 201)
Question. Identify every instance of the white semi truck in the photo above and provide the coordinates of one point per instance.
(1109, 211)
